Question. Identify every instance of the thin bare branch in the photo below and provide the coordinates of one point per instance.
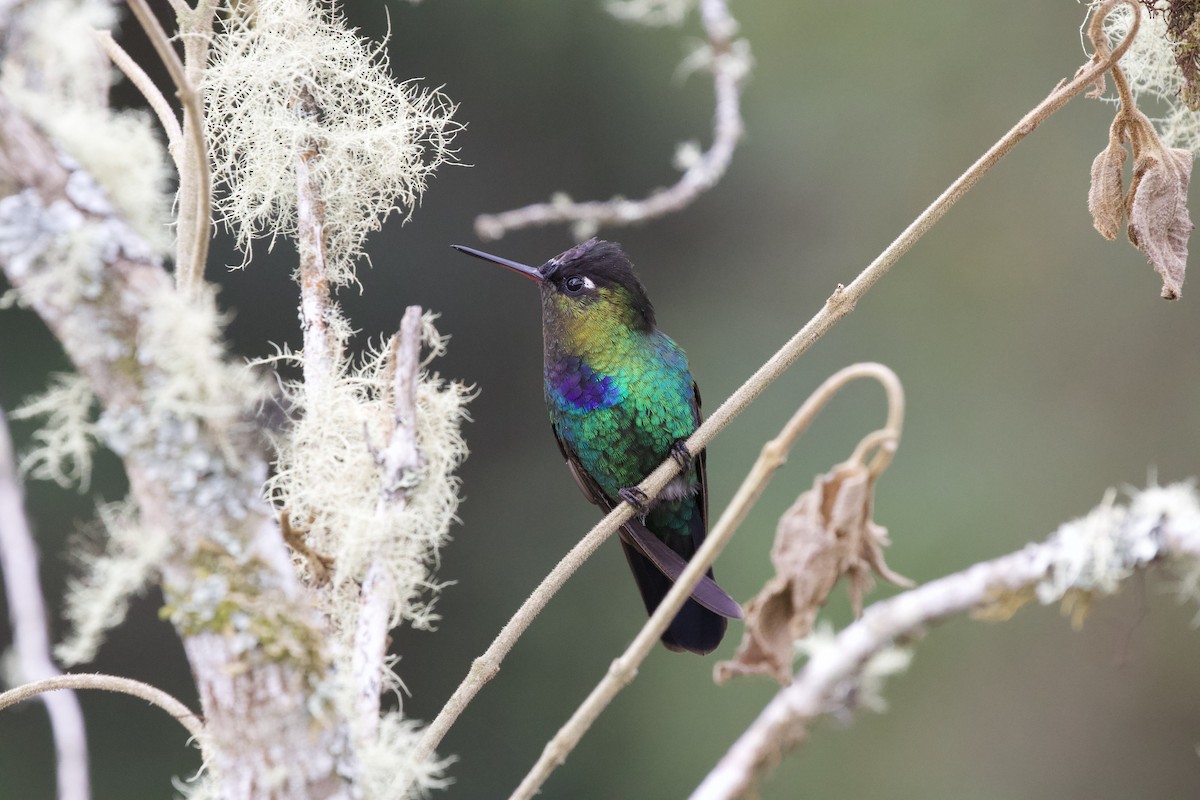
(773, 456)
(31, 639)
(1159, 524)
(108, 683)
(837, 306)
(138, 77)
(729, 61)
(195, 177)
(322, 349)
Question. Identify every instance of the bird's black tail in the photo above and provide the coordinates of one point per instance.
(695, 628)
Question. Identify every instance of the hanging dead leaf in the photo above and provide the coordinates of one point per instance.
(827, 533)
(1106, 197)
(1159, 224)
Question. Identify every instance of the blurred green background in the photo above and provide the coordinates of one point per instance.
(1041, 368)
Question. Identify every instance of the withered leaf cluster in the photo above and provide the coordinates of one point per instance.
(826, 534)
(1156, 202)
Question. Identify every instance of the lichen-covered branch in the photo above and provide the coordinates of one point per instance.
(401, 463)
(729, 61)
(31, 639)
(1085, 558)
(178, 414)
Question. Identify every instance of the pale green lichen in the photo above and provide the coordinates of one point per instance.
(237, 599)
(113, 571)
(328, 480)
(373, 141)
(387, 772)
(868, 682)
(1154, 77)
(1092, 556)
(63, 445)
(62, 82)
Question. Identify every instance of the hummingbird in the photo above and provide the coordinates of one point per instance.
(621, 400)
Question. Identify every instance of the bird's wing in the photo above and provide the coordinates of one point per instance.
(707, 593)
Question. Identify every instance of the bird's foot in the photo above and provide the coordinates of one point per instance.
(681, 455)
(636, 498)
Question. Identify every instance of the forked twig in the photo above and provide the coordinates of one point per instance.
(729, 67)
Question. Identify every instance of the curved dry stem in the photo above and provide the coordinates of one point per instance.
(729, 68)
(839, 304)
(141, 81)
(773, 456)
(108, 683)
(195, 178)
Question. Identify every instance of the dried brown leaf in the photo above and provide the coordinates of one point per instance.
(1159, 224)
(827, 533)
(1106, 197)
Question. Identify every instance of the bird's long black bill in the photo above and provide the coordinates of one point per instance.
(516, 266)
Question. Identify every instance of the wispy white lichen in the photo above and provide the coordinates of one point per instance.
(64, 444)
(372, 141)
(1154, 76)
(98, 598)
(329, 482)
(867, 687)
(62, 81)
(388, 772)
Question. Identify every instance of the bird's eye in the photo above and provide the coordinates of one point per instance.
(577, 283)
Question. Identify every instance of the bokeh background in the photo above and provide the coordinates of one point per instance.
(1041, 368)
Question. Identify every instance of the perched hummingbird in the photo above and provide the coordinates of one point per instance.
(621, 400)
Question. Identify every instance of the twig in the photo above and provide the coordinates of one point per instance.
(321, 347)
(400, 460)
(195, 178)
(1158, 524)
(108, 683)
(839, 304)
(138, 77)
(31, 639)
(729, 67)
(773, 456)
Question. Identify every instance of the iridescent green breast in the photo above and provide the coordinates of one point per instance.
(619, 408)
